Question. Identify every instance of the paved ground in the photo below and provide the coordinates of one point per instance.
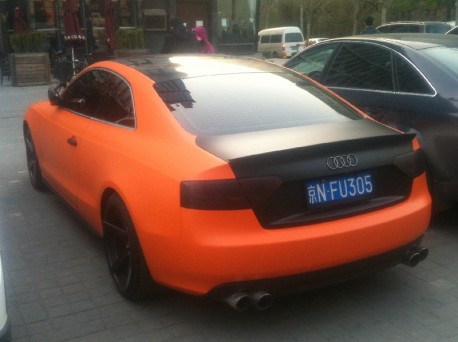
(58, 287)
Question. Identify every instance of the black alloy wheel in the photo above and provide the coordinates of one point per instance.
(126, 262)
(33, 166)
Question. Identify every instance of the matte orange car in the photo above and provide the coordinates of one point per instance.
(228, 177)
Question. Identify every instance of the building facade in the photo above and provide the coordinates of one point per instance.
(231, 24)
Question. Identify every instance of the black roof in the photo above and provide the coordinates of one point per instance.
(162, 68)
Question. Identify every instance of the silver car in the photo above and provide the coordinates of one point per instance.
(414, 27)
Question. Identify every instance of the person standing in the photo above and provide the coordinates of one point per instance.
(180, 39)
(201, 35)
(369, 29)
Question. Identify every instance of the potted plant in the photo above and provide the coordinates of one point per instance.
(130, 42)
(29, 64)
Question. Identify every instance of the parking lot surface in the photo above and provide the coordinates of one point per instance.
(58, 287)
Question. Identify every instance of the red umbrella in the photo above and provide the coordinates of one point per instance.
(19, 24)
(73, 33)
(109, 24)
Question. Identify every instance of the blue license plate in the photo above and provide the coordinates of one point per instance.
(338, 189)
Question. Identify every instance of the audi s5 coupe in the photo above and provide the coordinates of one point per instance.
(407, 81)
(228, 177)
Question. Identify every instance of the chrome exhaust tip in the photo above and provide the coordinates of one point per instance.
(262, 300)
(239, 301)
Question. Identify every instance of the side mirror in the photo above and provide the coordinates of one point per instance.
(54, 96)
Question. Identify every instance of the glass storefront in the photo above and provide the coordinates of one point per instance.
(43, 14)
(236, 21)
(230, 22)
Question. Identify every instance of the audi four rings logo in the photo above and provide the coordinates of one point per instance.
(340, 162)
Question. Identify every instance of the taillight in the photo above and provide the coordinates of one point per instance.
(283, 46)
(411, 164)
(227, 194)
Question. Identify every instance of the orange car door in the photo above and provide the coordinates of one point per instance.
(78, 105)
(61, 155)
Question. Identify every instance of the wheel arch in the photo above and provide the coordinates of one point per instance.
(103, 200)
(123, 250)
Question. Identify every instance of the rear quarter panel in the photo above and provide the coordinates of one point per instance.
(144, 165)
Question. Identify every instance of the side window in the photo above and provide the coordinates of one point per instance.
(265, 39)
(362, 66)
(313, 61)
(437, 28)
(275, 38)
(384, 29)
(101, 95)
(414, 28)
(399, 28)
(81, 95)
(115, 105)
(409, 80)
(405, 28)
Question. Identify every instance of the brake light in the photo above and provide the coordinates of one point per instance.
(411, 164)
(227, 194)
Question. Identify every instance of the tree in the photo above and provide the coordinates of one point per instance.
(336, 18)
(309, 8)
(267, 6)
(355, 15)
(456, 12)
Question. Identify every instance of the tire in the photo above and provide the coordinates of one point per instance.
(275, 54)
(125, 259)
(33, 165)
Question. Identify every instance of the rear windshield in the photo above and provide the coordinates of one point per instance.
(248, 102)
(447, 58)
(295, 37)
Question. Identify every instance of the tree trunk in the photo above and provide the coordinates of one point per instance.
(456, 12)
(355, 15)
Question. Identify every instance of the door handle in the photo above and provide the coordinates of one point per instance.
(72, 141)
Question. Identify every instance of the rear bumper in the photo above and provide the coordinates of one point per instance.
(229, 249)
(306, 281)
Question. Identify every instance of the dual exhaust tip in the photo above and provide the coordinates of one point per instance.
(414, 256)
(242, 301)
(262, 300)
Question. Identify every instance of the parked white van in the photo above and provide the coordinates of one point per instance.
(280, 42)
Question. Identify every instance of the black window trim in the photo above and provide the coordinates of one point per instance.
(419, 72)
(134, 113)
(393, 51)
(331, 61)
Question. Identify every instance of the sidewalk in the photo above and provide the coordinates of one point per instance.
(13, 100)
